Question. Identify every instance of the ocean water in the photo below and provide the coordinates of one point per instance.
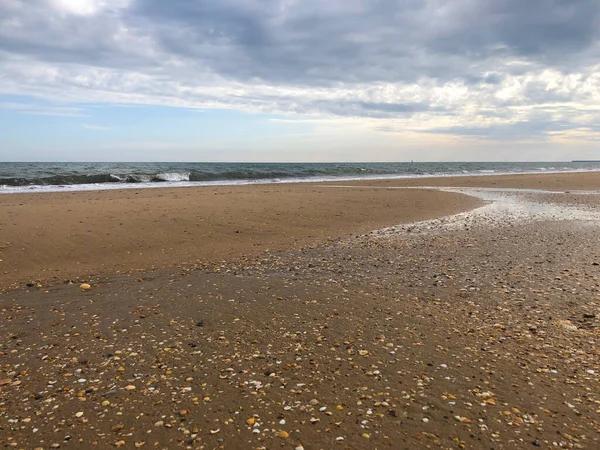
(39, 177)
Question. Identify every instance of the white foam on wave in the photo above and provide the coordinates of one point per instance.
(178, 180)
(173, 176)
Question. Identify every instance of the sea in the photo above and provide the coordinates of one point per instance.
(77, 176)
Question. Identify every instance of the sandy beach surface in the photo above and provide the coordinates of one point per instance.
(304, 316)
(550, 181)
(56, 236)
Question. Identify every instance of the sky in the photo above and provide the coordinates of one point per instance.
(299, 80)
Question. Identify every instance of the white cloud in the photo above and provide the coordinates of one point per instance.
(87, 7)
(90, 126)
(44, 110)
(470, 68)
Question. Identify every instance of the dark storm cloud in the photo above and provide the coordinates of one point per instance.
(546, 30)
(313, 42)
(379, 59)
(34, 29)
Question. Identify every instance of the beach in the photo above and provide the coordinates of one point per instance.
(56, 236)
(356, 315)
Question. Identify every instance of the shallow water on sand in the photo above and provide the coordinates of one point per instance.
(503, 207)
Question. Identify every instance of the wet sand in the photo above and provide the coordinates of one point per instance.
(550, 181)
(483, 335)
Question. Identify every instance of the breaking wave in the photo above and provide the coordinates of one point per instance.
(17, 177)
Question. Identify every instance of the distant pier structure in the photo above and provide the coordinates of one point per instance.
(586, 160)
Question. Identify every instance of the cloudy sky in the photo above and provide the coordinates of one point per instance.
(299, 80)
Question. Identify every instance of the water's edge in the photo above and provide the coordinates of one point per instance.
(53, 177)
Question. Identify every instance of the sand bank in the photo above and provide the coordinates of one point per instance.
(65, 235)
(549, 181)
(53, 236)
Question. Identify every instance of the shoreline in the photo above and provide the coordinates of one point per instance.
(50, 189)
(589, 180)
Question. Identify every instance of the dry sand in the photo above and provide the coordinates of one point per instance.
(478, 337)
(66, 235)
